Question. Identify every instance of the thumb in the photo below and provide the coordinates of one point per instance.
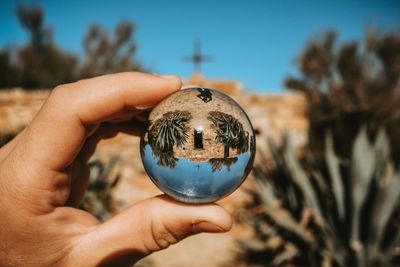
(149, 226)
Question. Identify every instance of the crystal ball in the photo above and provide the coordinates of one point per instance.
(198, 145)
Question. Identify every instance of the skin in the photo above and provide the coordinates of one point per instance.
(44, 174)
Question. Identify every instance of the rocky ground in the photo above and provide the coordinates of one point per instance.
(270, 115)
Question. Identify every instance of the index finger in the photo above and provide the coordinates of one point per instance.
(56, 135)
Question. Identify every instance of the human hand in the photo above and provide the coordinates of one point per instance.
(44, 174)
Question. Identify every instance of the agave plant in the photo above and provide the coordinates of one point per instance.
(338, 204)
(343, 213)
(98, 198)
(229, 131)
(347, 86)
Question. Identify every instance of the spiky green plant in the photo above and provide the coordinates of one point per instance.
(344, 213)
(98, 199)
(338, 203)
(349, 86)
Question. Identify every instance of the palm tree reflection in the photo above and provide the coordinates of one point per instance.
(169, 130)
(229, 131)
(218, 163)
(165, 159)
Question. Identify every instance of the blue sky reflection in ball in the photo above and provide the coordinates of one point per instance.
(198, 145)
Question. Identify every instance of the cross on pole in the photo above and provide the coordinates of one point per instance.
(197, 57)
(198, 167)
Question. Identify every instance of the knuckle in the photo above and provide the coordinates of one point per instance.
(60, 94)
(162, 236)
(161, 242)
(164, 239)
(66, 97)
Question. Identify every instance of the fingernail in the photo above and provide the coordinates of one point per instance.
(208, 227)
(189, 86)
(143, 107)
(169, 77)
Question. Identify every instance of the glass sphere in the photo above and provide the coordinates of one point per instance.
(198, 145)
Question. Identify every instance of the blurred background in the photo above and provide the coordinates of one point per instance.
(318, 79)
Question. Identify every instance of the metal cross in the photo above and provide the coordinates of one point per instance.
(197, 57)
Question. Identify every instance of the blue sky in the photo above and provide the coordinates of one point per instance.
(254, 41)
(195, 179)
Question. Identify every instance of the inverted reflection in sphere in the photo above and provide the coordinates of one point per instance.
(198, 145)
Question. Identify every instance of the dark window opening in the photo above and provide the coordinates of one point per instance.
(198, 139)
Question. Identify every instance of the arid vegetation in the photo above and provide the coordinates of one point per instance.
(338, 202)
(324, 190)
(41, 63)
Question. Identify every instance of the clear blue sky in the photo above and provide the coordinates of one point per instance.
(253, 41)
